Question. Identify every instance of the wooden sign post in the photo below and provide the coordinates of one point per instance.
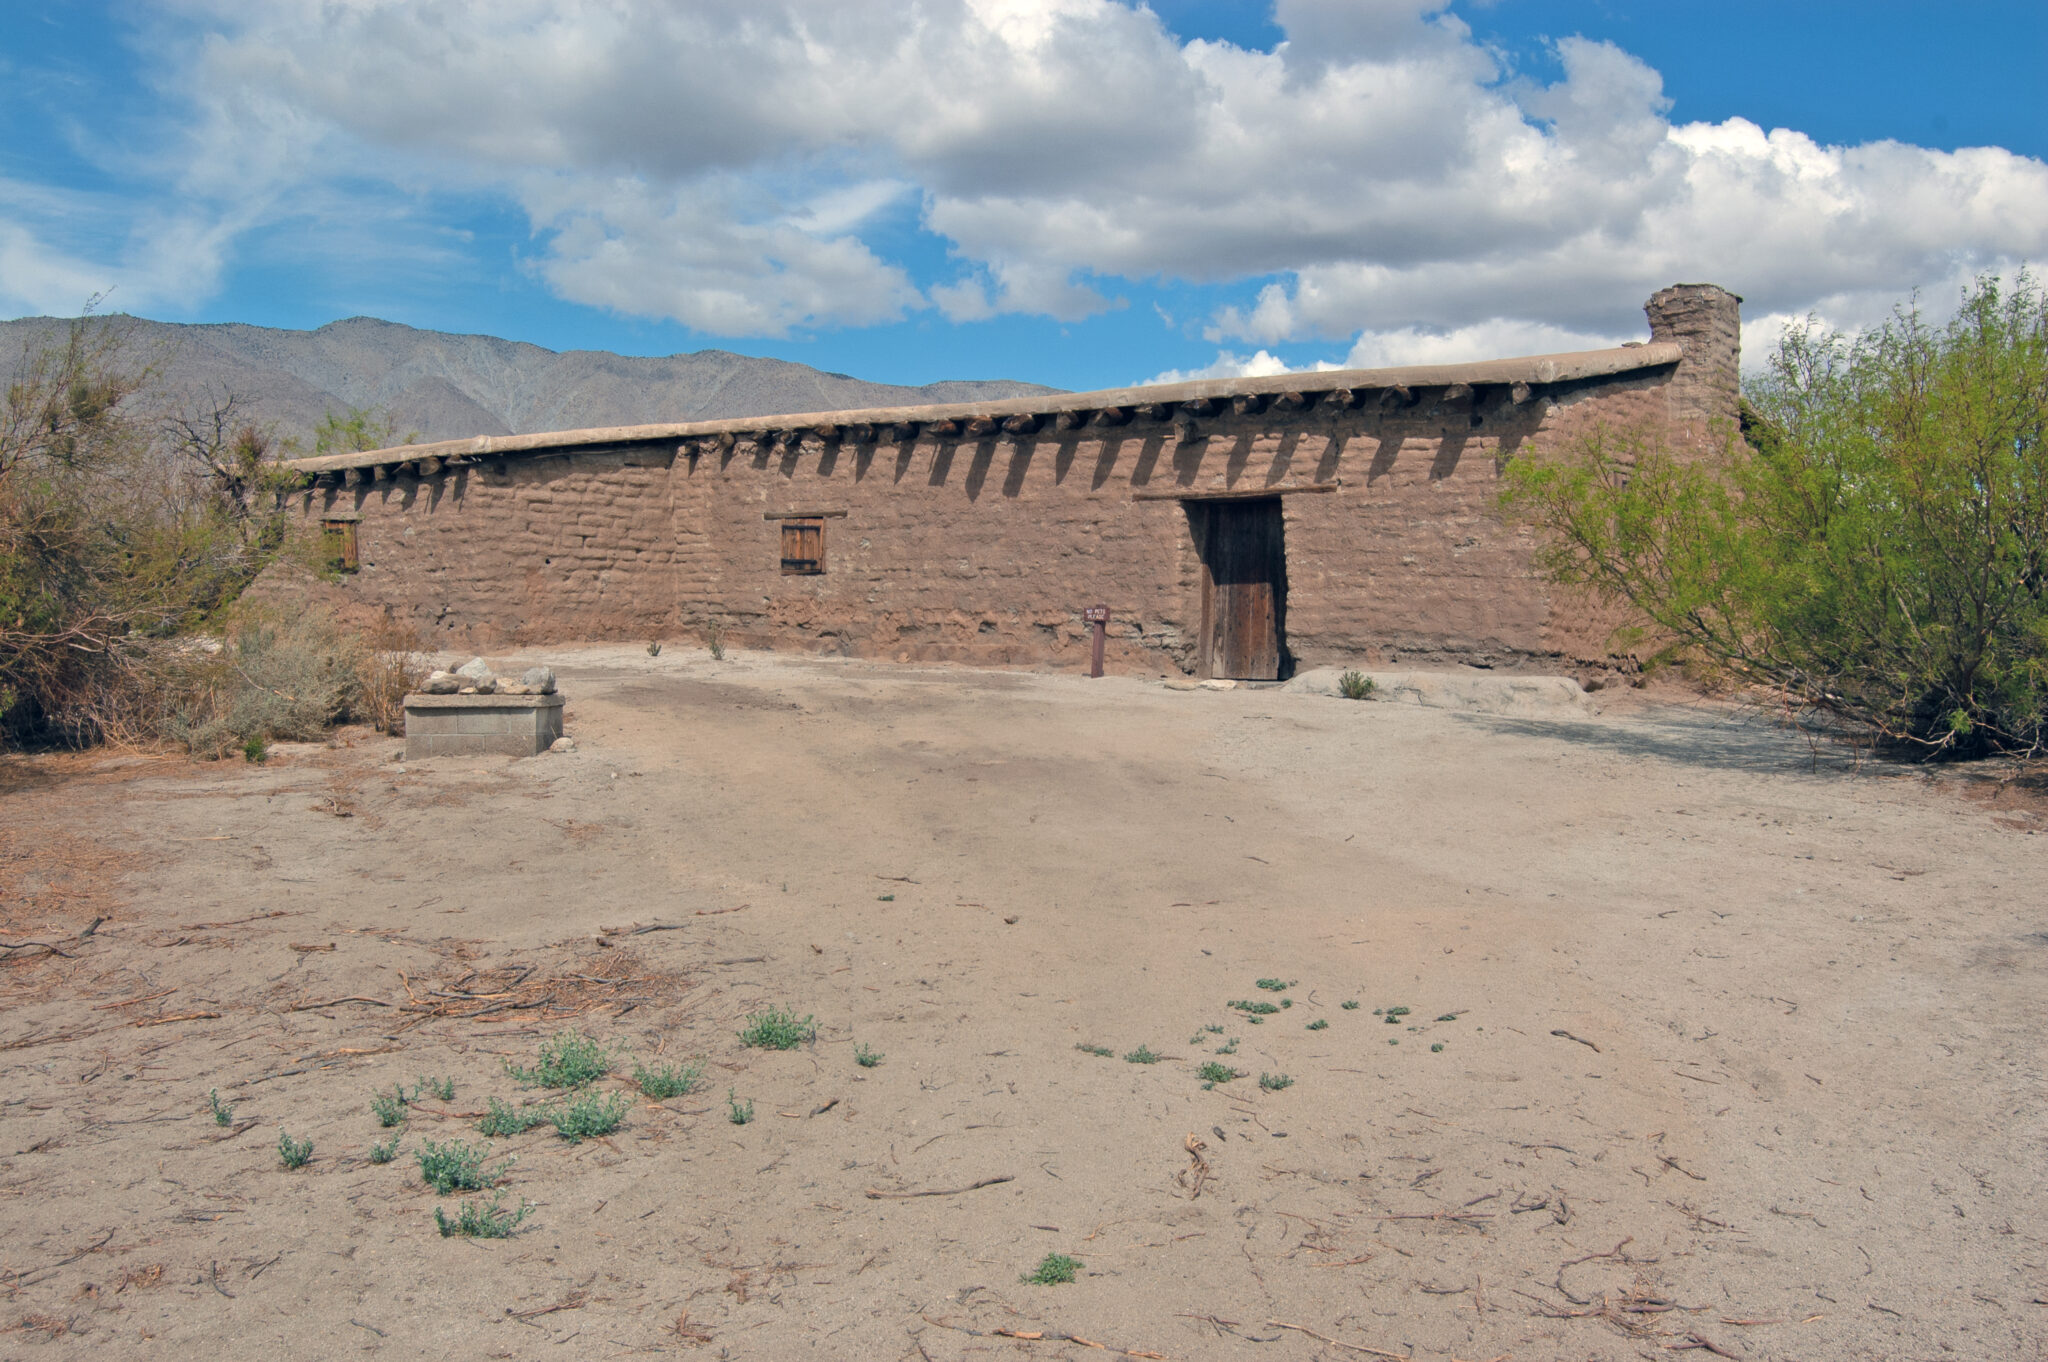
(1097, 615)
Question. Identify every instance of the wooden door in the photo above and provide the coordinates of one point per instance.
(1244, 587)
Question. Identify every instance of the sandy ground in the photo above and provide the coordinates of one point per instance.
(1713, 1043)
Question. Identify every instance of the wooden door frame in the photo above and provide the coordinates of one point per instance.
(1202, 513)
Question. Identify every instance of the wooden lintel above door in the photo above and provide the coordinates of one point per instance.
(1234, 493)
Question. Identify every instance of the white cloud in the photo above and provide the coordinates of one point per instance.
(1229, 364)
(726, 163)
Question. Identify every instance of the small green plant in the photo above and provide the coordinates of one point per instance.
(1394, 1014)
(223, 1112)
(295, 1153)
(777, 1029)
(1255, 1008)
(1450, 1016)
(1393, 1040)
(714, 640)
(885, 898)
(386, 1152)
(1437, 1048)
(1142, 1055)
(866, 1057)
(1211, 1073)
(590, 1116)
(440, 1088)
(654, 648)
(1213, 1029)
(458, 1167)
(568, 1060)
(673, 1080)
(1274, 985)
(389, 1109)
(1355, 685)
(1319, 1024)
(1100, 1051)
(256, 749)
(1054, 1269)
(1228, 1047)
(481, 1220)
(504, 1119)
(1351, 1005)
(736, 1112)
(1275, 1082)
(1287, 1002)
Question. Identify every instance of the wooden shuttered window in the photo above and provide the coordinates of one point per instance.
(803, 547)
(339, 544)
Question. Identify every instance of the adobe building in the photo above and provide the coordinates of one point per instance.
(1234, 527)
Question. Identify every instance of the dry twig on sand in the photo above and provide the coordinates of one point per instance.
(1338, 1342)
(877, 1195)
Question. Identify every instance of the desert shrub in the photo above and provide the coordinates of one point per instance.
(1356, 685)
(458, 1167)
(778, 1029)
(568, 1059)
(389, 668)
(127, 523)
(1877, 550)
(287, 678)
(671, 1080)
(589, 1116)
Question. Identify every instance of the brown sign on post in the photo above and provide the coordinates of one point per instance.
(1097, 615)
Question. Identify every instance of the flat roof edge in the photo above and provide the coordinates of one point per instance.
(1532, 369)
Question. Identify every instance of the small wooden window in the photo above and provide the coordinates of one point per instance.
(339, 540)
(803, 547)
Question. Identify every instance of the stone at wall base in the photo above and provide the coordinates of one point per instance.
(481, 725)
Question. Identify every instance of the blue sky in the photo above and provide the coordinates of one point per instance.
(1078, 192)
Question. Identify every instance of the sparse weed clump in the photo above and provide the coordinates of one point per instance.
(1275, 1082)
(481, 1220)
(1436, 1047)
(223, 1112)
(1351, 1005)
(1212, 1073)
(1228, 1047)
(672, 1080)
(386, 1152)
(569, 1060)
(737, 1112)
(1054, 1269)
(1255, 1009)
(866, 1057)
(778, 1029)
(389, 1108)
(294, 1153)
(440, 1088)
(458, 1167)
(1319, 1024)
(504, 1120)
(590, 1116)
(1099, 1051)
(1356, 685)
(1274, 985)
(1142, 1055)
(1392, 1015)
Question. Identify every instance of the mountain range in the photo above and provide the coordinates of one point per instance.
(434, 385)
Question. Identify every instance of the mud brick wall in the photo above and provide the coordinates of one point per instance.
(987, 549)
(575, 545)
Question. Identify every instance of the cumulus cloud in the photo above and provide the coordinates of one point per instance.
(1381, 179)
(1229, 364)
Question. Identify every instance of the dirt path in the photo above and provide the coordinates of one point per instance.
(1708, 1045)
